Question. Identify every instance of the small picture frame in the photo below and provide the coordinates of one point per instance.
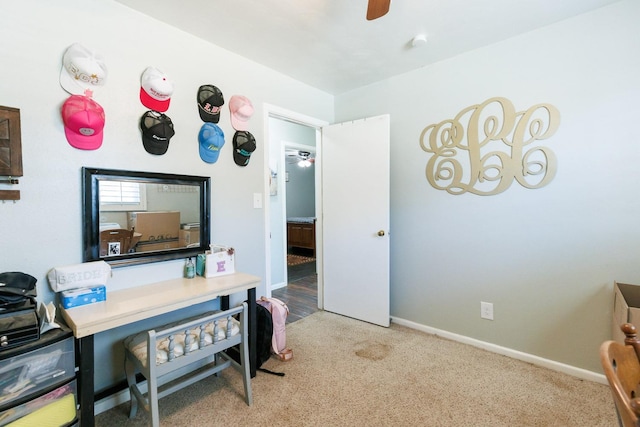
(114, 248)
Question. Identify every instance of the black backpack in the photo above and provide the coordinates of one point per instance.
(264, 325)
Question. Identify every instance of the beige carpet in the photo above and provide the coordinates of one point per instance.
(349, 373)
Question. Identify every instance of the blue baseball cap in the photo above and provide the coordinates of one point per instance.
(210, 141)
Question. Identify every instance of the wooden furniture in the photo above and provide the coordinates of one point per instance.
(621, 366)
(160, 352)
(130, 305)
(38, 381)
(115, 242)
(10, 151)
(301, 233)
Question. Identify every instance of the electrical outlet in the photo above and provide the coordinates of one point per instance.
(486, 310)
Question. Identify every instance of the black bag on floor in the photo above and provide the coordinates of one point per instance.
(264, 325)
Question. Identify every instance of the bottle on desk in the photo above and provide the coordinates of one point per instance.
(189, 269)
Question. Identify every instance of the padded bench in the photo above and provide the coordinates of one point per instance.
(159, 352)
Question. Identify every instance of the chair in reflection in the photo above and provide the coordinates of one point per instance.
(621, 366)
(115, 242)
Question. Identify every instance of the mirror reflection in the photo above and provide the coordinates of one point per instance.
(146, 217)
(139, 217)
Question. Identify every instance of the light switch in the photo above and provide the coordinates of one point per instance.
(257, 200)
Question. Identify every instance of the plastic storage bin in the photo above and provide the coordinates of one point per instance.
(36, 374)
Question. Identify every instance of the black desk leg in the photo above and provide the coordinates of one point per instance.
(253, 331)
(253, 327)
(85, 383)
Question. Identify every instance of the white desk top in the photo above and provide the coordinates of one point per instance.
(142, 302)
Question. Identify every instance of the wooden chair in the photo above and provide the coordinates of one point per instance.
(621, 364)
(118, 235)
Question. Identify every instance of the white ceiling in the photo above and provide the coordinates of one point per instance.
(329, 44)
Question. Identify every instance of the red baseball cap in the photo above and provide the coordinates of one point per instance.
(155, 90)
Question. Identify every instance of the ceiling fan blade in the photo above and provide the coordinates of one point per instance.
(377, 8)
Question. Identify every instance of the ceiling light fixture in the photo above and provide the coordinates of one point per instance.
(304, 163)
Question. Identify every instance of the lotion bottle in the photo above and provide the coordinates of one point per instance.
(189, 269)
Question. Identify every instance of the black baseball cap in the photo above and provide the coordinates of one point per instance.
(210, 101)
(243, 145)
(157, 130)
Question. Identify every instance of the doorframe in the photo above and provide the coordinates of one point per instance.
(273, 111)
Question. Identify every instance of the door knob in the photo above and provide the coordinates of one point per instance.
(381, 233)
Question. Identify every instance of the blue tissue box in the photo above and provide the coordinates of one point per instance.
(77, 297)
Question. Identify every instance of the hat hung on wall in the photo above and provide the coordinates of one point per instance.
(210, 100)
(241, 111)
(210, 142)
(83, 70)
(243, 145)
(155, 89)
(157, 129)
(83, 120)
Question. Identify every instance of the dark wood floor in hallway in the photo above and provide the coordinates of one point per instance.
(301, 293)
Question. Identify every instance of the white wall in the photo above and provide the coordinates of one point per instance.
(301, 191)
(545, 258)
(43, 229)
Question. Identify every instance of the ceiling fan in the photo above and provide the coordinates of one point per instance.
(301, 157)
(377, 9)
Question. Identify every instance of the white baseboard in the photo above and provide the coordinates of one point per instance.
(278, 285)
(525, 357)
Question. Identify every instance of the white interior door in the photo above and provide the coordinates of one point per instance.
(355, 215)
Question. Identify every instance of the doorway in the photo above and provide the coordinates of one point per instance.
(294, 194)
(300, 210)
(356, 194)
(301, 292)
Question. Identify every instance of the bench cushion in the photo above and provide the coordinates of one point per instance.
(137, 344)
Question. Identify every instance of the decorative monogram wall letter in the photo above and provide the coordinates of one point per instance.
(493, 151)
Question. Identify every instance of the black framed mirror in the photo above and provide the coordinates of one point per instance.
(132, 217)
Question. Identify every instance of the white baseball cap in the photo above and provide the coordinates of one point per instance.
(155, 90)
(83, 70)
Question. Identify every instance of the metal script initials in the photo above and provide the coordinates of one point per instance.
(491, 154)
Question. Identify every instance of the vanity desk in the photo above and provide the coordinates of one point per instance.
(130, 305)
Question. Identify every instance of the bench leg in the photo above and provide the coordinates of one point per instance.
(152, 383)
(130, 370)
(246, 370)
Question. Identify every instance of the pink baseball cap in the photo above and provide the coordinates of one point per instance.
(155, 90)
(241, 111)
(83, 120)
